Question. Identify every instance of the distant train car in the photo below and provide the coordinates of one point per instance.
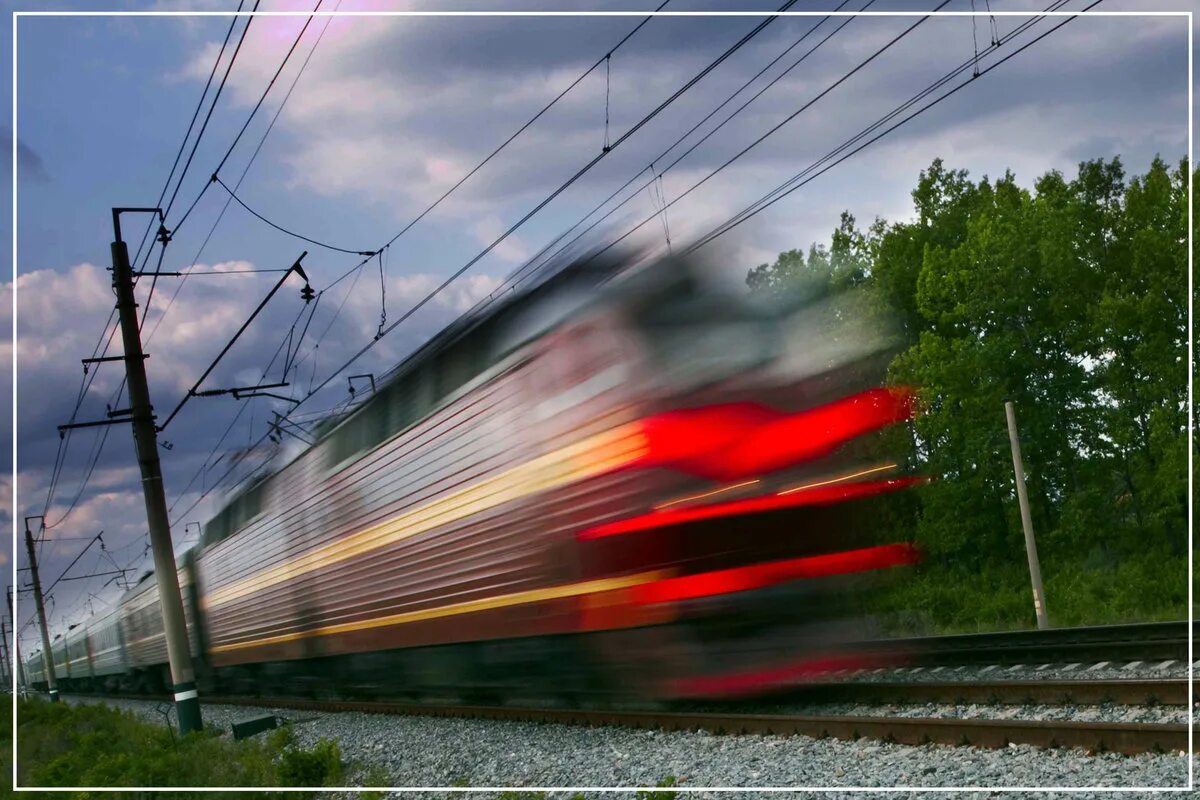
(79, 659)
(35, 671)
(107, 650)
(605, 484)
(58, 650)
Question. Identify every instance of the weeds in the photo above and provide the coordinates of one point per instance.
(95, 745)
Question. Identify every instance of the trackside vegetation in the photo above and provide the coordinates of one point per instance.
(95, 745)
(1068, 297)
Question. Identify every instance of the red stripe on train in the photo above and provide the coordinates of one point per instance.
(758, 576)
(821, 495)
(738, 440)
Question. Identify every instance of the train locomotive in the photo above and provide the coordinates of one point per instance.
(612, 482)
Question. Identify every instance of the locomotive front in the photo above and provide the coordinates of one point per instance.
(742, 511)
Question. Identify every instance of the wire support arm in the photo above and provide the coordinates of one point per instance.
(193, 392)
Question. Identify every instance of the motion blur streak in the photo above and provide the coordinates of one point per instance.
(454, 609)
(738, 440)
(592, 456)
(756, 681)
(703, 495)
(793, 498)
(839, 478)
(740, 579)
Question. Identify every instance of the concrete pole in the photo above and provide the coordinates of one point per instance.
(1035, 569)
(145, 436)
(24, 684)
(5, 664)
(47, 655)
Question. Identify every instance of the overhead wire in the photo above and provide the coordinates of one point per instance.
(207, 117)
(540, 258)
(164, 238)
(539, 261)
(357, 268)
(810, 173)
(282, 229)
(775, 128)
(187, 135)
(1039, 38)
(246, 169)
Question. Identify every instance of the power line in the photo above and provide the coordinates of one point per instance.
(253, 111)
(187, 135)
(282, 229)
(534, 262)
(779, 125)
(245, 170)
(94, 454)
(800, 179)
(603, 60)
(208, 116)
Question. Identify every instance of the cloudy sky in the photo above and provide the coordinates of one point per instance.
(388, 114)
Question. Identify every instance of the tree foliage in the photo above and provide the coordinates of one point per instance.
(1070, 299)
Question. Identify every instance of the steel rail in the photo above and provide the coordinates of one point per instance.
(1138, 692)
(1121, 737)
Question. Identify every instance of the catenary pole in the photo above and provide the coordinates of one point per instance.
(1035, 569)
(17, 643)
(47, 656)
(187, 704)
(5, 664)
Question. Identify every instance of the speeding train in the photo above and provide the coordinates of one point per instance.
(613, 481)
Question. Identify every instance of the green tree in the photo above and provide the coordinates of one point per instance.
(1069, 299)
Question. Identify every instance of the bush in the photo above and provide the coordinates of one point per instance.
(95, 745)
(321, 766)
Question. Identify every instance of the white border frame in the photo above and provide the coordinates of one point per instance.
(16, 15)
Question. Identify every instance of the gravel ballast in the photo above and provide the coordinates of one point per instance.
(428, 751)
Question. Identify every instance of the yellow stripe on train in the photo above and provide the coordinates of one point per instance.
(590, 457)
(465, 607)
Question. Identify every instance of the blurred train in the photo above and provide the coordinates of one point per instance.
(612, 482)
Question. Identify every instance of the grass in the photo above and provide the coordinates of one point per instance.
(94, 745)
(1150, 587)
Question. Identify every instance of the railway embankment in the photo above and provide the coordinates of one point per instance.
(391, 748)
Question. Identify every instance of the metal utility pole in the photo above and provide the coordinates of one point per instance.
(16, 642)
(5, 665)
(47, 656)
(1035, 569)
(145, 436)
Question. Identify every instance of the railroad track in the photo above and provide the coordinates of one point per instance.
(1154, 641)
(1121, 737)
(1138, 692)
(1127, 738)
